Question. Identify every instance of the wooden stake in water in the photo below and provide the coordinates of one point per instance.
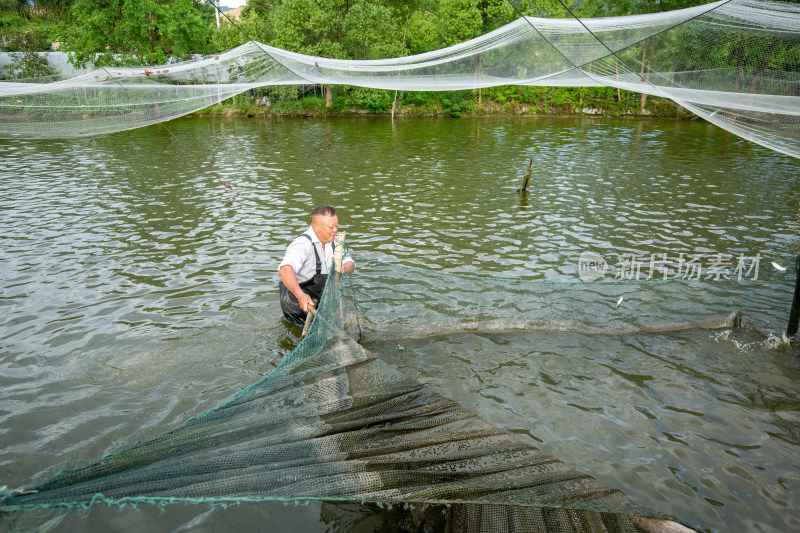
(523, 185)
(794, 314)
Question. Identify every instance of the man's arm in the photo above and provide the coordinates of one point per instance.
(289, 279)
(347, 267)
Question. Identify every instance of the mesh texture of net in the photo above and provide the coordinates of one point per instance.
(695, 57)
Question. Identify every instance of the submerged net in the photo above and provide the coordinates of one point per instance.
(334, 422)
(734, 63)
(391, 307)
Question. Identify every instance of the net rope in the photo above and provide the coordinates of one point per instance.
(695, 57)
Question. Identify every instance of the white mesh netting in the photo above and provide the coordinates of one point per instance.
(695, 57)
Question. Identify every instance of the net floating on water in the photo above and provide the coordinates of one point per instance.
(334, 422)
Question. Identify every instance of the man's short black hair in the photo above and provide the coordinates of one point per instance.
(324, 210)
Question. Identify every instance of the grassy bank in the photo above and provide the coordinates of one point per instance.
(505, 100)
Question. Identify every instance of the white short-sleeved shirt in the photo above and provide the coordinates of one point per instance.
(300, 256)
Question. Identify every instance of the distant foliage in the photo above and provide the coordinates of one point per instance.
(24, 39)
(108, 32)
(149, 32)
(372, 100)
(28, 66)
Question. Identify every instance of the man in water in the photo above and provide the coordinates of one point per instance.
(305, 266)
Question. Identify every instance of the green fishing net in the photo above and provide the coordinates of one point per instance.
(335, 423)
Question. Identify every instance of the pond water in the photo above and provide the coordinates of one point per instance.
(136, 292)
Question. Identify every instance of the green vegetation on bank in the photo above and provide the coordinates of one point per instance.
(150, 32)
(504, 100)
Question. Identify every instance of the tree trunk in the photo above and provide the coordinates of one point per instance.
(477, 67)
(616, 66)
(152, 33)
(644, 56)
(328, 95)
(764, 64)
(738, 53)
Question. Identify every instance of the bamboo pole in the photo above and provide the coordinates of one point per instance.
(338, 256)
(339, 252)
(309, 317)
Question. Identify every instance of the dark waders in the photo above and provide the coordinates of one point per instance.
(313, 287)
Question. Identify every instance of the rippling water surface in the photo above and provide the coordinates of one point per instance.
(135, 293)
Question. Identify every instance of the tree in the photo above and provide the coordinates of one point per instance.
(25, 38)
(27, 65)
(435, 24)
(252, 26)
(25, 33)
(259, 7)
(25, 28)
(309, 26)
(338, 29)
(108, 32)
(367, 31)
(442, 23)
(18, 5)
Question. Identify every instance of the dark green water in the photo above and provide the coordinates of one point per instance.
(135, 293)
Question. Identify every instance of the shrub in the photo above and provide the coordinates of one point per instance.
(374, 100)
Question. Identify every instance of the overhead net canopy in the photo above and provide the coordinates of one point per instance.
(334, 422)
(717, 60)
